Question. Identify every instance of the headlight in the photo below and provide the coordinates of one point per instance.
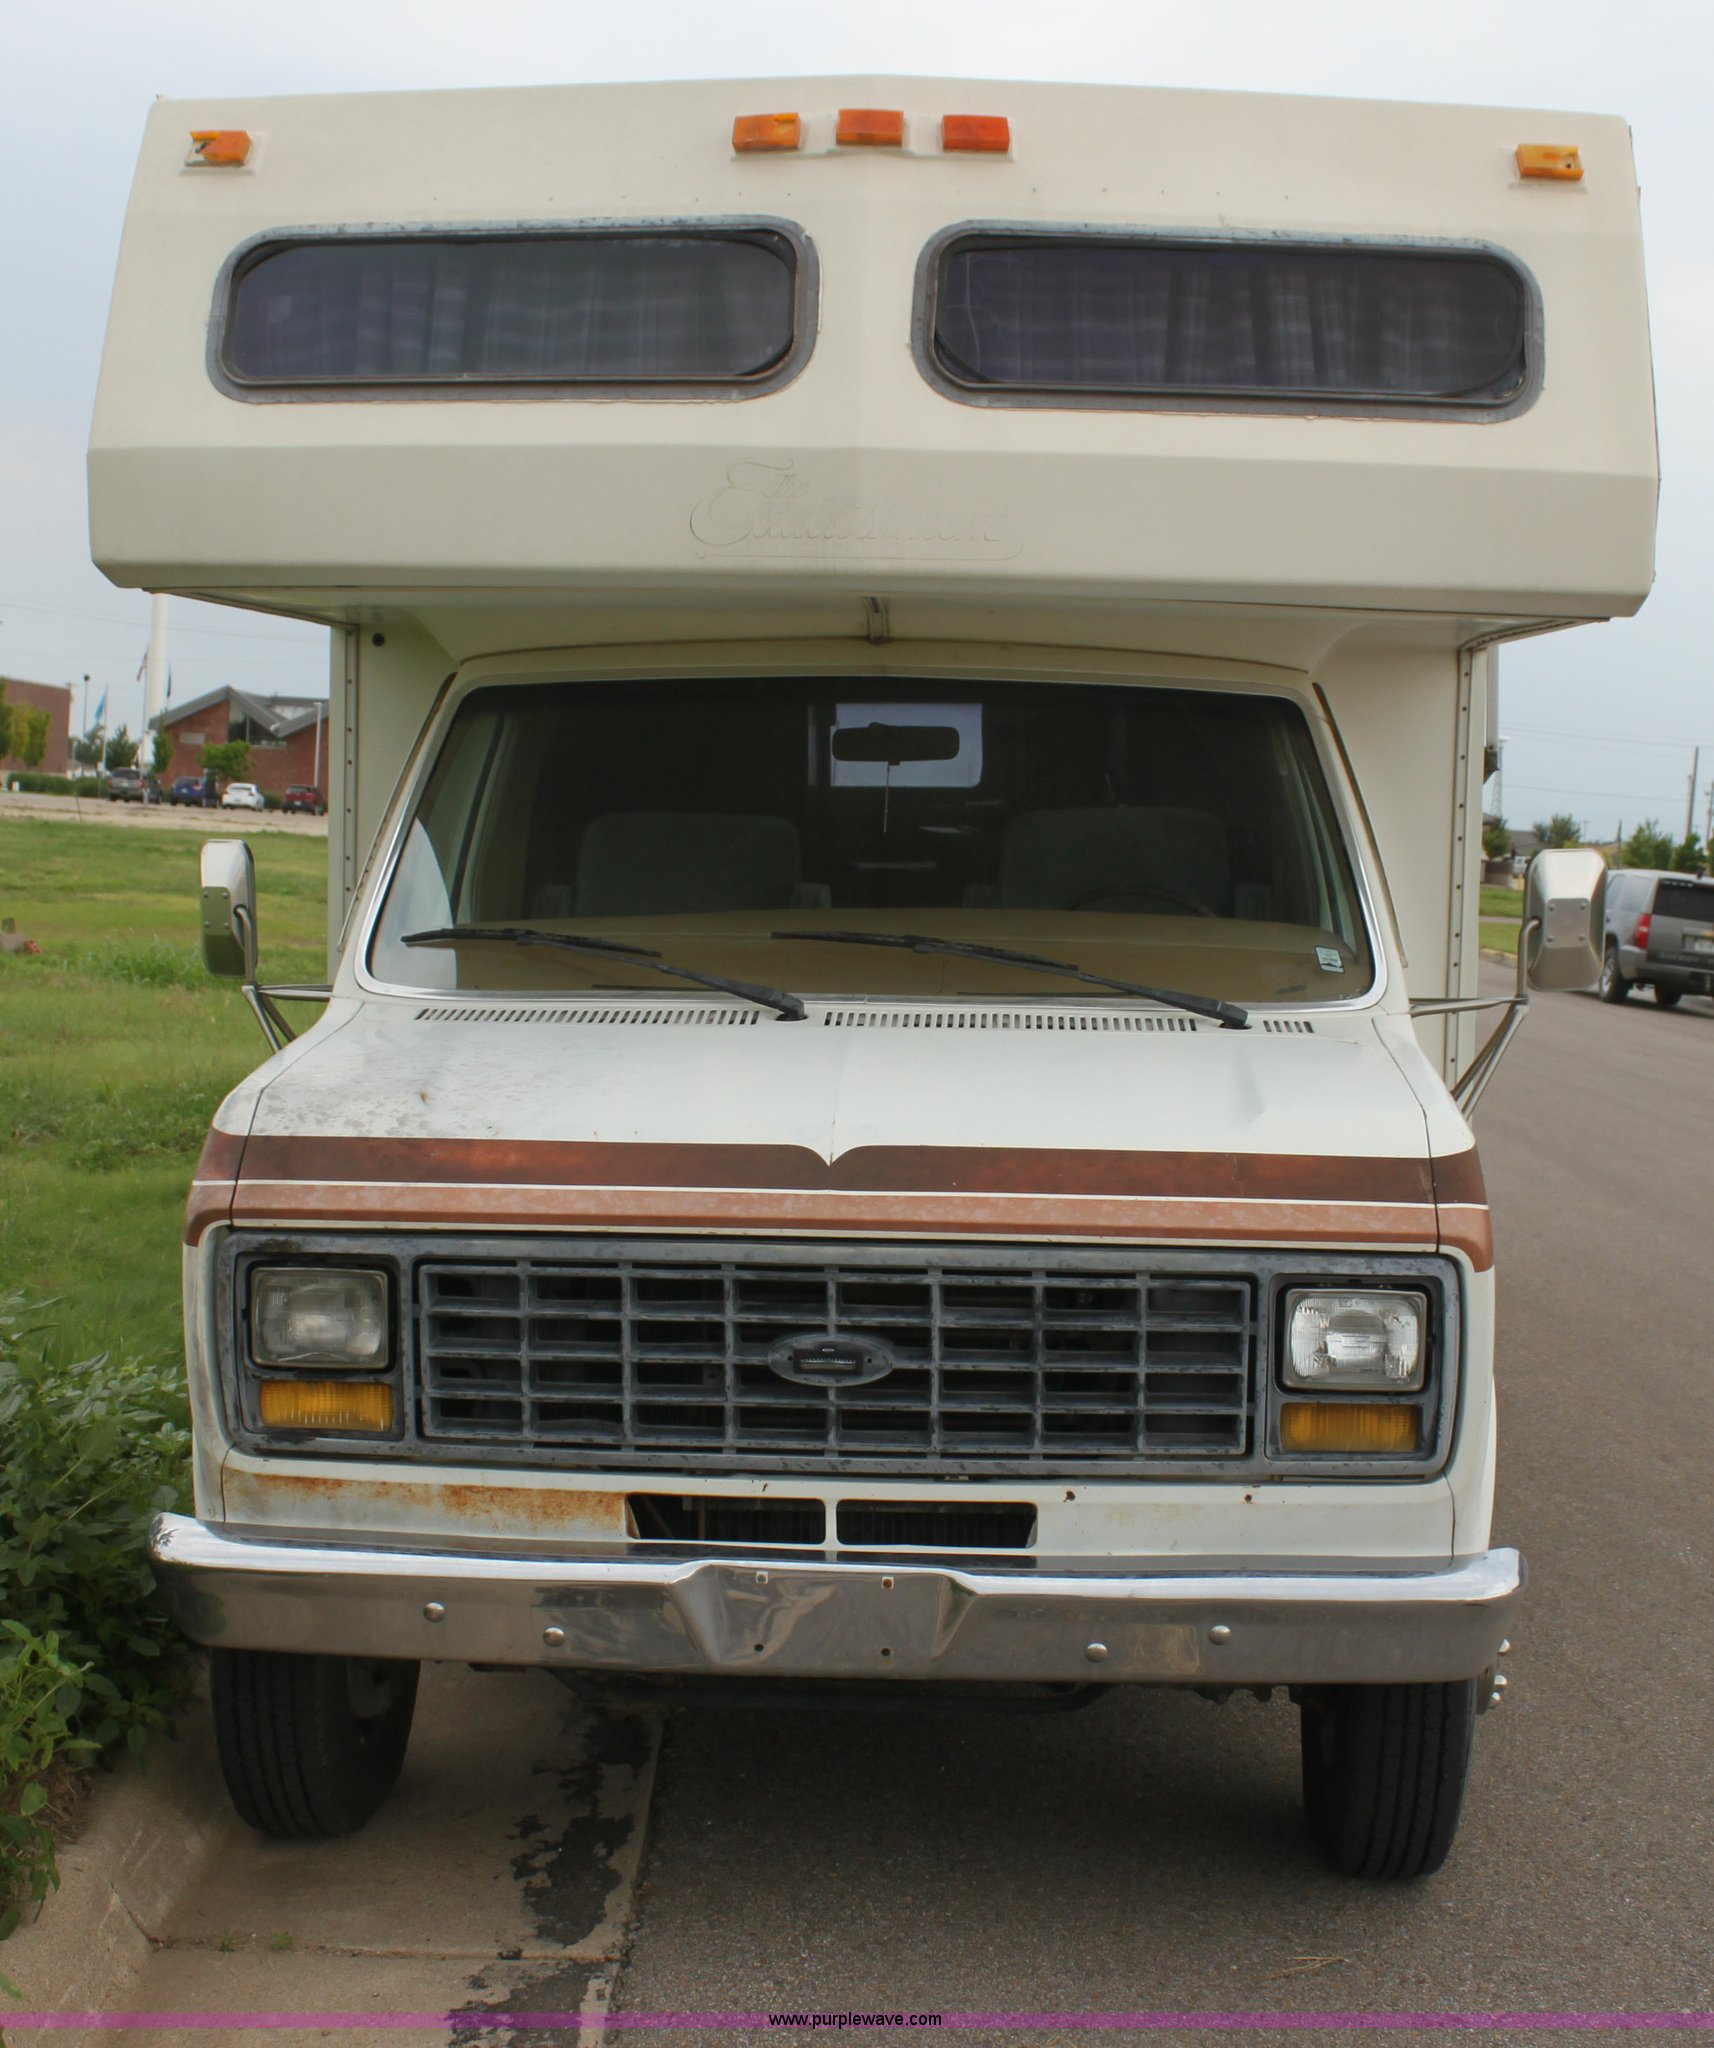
(1369, 1340)
(318, 1315)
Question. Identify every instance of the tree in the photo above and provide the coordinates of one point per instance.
(88, 748)
(228, 760)
(32, 741)
(1562, 829)
(1687, 856)
(1647, 847)
(161, 759)
(120, 750)
(1496, 838)
(6, 716)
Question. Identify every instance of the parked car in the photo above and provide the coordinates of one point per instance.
(1660, 935)
(243, 796)
(304, 796)
(194, 789)
(132, 786)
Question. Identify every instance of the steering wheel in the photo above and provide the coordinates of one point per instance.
(1111, 892)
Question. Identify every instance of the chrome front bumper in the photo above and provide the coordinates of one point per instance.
(762, 1618)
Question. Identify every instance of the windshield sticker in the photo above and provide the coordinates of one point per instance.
(1329, 960)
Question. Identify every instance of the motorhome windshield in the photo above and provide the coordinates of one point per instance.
(1176, 836)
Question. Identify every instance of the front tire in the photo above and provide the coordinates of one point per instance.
(309, 1746)
(1612, 987)
(1384, 1770)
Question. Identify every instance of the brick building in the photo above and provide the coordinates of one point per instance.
(287, 735)
(55, 700)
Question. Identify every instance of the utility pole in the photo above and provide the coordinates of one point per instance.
(1690, 806)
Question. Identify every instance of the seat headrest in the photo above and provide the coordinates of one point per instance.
(1115, 857)
(646, 863)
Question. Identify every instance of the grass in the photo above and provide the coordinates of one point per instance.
(1501, 913)
(115, 1048)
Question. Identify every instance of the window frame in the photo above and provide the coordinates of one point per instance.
(1177, 398)
(249, 254)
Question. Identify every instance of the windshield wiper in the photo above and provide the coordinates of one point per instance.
(1228, 1015)
(788, 1006)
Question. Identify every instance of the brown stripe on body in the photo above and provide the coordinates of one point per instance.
(212, 1184)
(943, 1191)
(442, 1205)
(938, 1170)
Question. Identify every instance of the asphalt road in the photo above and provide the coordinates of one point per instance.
(1148, 1853)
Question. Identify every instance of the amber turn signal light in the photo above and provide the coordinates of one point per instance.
(872, 127)
(1549, 160)
(325, 1404)
(230, 146)
(990, 134)
(1347, 1426)
(752, 133)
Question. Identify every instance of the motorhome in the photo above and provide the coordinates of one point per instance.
(913, 669)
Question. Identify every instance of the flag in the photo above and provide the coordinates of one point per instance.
(169, 685)
(143, 665)
(101, 710)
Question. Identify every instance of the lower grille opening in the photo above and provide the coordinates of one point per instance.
(692, 1518)
(886, 1525)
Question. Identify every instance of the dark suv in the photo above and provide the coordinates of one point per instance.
(193, 789)
(132, 786)
(1660, 934)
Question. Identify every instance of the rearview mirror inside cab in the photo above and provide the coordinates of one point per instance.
(1565, 895)
(895, 744)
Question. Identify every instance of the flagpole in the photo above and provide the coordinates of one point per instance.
(155, 666)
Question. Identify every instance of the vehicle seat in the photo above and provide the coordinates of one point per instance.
(649, 863)
(1118, 857)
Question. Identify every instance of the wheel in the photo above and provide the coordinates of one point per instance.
(1612, 987)
(1667, 998)
(309, 1746)
(1384, 1768)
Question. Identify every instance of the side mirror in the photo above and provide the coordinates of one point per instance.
(228, 909)
(1565, 916)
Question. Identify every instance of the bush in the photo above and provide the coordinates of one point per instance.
(89, 1661)
(33, 783)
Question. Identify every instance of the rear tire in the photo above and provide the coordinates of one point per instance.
(309, 1746)
(1667, 998)
(1612, 987)
(1384, 1770)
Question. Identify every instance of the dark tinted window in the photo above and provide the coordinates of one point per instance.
(1692, 901)
(427, 309)
(1267, 321)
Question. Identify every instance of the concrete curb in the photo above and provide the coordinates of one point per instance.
(150, 1831)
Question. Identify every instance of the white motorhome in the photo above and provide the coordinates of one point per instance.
(912, 669)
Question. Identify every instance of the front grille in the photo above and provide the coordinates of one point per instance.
(950, 1364)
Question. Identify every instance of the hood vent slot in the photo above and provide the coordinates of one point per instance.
(615, 1014)
(1298, 1025)
(1003, 1020)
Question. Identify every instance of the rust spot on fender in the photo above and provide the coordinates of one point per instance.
(408, 1504)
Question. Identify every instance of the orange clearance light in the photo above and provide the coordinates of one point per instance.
(325, 1404)
(990, 134)
(1548, 160)
(219, 146)
(753, 132)
(872, 127)
(1347, 1426)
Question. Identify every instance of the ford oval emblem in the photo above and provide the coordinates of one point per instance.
(822, 1358)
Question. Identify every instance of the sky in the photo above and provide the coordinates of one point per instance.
(1600, 722)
